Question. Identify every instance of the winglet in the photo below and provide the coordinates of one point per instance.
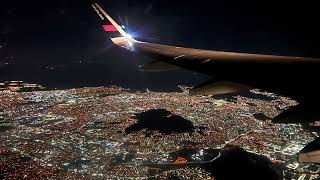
(116, 33)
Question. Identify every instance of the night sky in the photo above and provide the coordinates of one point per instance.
(61, 43)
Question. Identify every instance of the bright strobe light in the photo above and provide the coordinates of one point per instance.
(130, 39)
(128, 36)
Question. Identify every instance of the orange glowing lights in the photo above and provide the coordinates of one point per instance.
(180, 160)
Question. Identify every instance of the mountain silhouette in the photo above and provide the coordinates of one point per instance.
(162, 121)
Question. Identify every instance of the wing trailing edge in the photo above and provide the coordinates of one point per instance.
(219, 88)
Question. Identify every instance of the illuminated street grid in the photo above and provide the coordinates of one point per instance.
(80, 133)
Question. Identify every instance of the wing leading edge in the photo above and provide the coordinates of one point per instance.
(180, 53)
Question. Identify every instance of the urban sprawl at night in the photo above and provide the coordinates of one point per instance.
(110, 132)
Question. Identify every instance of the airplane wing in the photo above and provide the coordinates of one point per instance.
(279, 74)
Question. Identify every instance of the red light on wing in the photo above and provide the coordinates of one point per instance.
(109, 28)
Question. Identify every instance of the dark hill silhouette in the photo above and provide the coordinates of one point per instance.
(236, 163)
(301, 113)
(261, 117)
(161, 120)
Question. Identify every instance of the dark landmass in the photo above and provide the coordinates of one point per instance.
(313, 146)
(301, 113)
(236, 163)
(161, 120)
(261, 116)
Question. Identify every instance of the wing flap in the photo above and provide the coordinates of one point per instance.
(219, 88)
